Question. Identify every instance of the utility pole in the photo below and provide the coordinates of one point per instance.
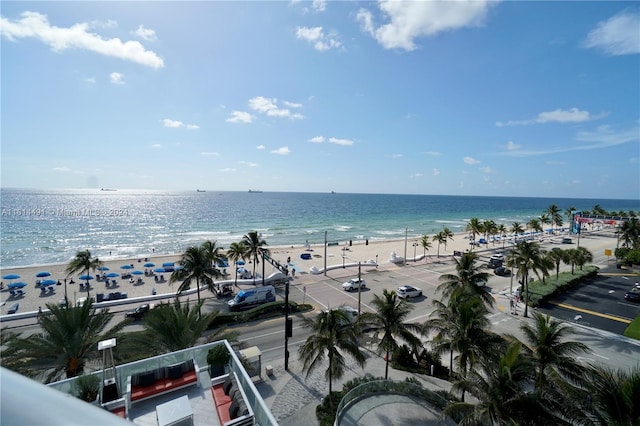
(325, 253)
(359, 289)
(288, 323)
(406, 230)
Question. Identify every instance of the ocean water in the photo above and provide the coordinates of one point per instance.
(46, 227)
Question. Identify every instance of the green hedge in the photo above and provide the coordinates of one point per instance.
(539, 292)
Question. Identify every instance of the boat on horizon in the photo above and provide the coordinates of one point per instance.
(200, 190)
(107, 189)
(252, 191)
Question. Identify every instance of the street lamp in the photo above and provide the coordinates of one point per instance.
(415, 245)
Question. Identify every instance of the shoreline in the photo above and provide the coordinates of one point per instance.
(378, 251)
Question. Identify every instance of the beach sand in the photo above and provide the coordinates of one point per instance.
(359, 251)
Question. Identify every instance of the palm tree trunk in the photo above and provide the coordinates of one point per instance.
(526, 295)
(386, 365)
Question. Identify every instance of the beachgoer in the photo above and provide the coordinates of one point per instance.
(293, 272)
(289, 260)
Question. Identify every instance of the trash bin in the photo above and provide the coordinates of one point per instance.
(99, 297)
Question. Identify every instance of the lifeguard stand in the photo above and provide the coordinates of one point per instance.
(109, 389)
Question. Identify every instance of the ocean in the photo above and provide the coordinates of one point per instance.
(41, 227)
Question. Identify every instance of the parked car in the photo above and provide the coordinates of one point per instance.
(633, 295)
(138, 312)
(408, 291)
(14, 308)
(353, 284)
(502, 271)
(566, 240)
(495, 263)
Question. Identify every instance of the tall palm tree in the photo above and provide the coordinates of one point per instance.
(557, 256)
(331, 333)
(440, 238)
(196, 266)
(552, 355)
(582, 257)
(527, 258)
(68, 339)
(175, 326)
(490, 228)
(83, 262)
(554, 214)
(469, 278)
(629, 233)
(447, 235)
(516, 229)
(425, 243)
(389, 320)
(502, 231)
(569, 213)
(535, 225)
(255, 249)
(235, 253)
(213, 252)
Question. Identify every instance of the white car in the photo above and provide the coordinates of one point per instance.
(353, 284)
(408, 291)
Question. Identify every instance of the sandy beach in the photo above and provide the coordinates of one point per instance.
(358, 251)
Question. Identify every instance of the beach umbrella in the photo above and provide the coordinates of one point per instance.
(179, 267)
(17, 285)
(159, 270)
(43, 274)
(47, 283)
(85, 277)
(103, 268)
(168, 264)
(112, 275)
(240, 262)
(149, 265)
(126, 267)
(11, 277)
(137, 272)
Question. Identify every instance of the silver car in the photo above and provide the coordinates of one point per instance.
(408, 291)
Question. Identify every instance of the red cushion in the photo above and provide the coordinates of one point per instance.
(138, 392)
(222, 403)
(120, 411)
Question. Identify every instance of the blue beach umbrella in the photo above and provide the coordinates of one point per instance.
(159, 270)
(112, 275)
(149, 265)
(240, 262)
(103, 268)
(86, 277)
(168, 264)
(43, 274)
(11, 277)
(17, 285)
(126, 267)
(137, 272)
(47, 283)
(179, 267)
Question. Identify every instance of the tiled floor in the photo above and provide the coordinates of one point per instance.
(204, 409)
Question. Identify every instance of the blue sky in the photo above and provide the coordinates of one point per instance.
(459, 98)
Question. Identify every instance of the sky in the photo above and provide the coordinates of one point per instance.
(508, 98)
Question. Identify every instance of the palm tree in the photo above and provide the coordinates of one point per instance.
(554, 214)
(440, 238)
(447, 235)
(490, 228)
(331, 333)
(557, 256)
(502, 231)
(527, 257)
(255, 249)
(425, 243)
(175, 326)
(474, 227)
(582, 257)
(552, 356)
(213, 252)
(501, 388)
(196, 266)
(389, 319)
(469, 278)
(534, 225)
(235, 253)
(569, 214)
(83, 262)
(516, 229)
(629, 233)
(69, 338)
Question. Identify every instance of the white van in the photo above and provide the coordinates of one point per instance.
(256, 296)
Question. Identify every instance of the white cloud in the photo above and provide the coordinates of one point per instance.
(435, 172)
(319, 5)
(193, 126)
(510, 146)
(396, 155)
(116, 78)
(317, 139)
(240, 117)
(470, 160)
(156, 145)
(61, 169)
(261, 147)
(573, 115)
(555, 163)
(433, 153)
(227, 170)
(270, 108)
(344, 142)
(413, 19)
(211, 154)
(618, 35)
(36, 25)
(576, 181)
(634, 160)
(146, 33)
(91, 80)
(486, 169)
(318, 38)
(281, 151)
(174, 124)
(291, 104)
(247, 163)
(416, 175)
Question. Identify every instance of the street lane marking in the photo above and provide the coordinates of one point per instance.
(587, 311)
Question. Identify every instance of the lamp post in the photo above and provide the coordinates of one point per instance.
(406, 231)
